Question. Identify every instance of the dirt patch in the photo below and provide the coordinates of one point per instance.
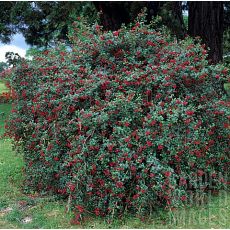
(5, 211)
(23, 205)
(27, 220)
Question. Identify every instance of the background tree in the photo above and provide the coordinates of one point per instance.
(226, 15)
(114, 14)
(12, 58)
(41, 23)
(3, 66)
(206, 20)
(226, 41)
(172, 17)
(7, 28)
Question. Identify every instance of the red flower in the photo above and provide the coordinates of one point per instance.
(184, 102)
(115, 33)
(183, 198)
(187, 121)
(119, 184)
(130, 145)
(183, 181)
(106, 172)
(110, 148)
(148, 92)
(189, 112)
(97, 27)
(200, 172)
(112, 164)
(76, 219)
(71, 109)
(127, 139)
(94, 169)
(97, 211)
(167, 174)
(50, 146)
(136, 196)
(149, 143)
(197, 142)
(150, 43)
(80, 208)
(71, 187)
(160, 147)
(56, 158)
(158, 96)
(42, 154)
(153, 122)
(151, 175)
(214, 175)
(147, 133)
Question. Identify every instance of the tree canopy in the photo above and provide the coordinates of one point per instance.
(42, 22)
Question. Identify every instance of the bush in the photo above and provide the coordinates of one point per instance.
(6, 96)
(125, 120)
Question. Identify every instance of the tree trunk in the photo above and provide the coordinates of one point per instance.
(177, 13)
(116, 13)
(113, 14)
(206, 20)
(172, 17)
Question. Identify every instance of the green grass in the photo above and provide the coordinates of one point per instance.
(4, 112)
(3, 87)
(46, 212)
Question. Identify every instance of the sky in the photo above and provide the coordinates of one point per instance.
(17, 45)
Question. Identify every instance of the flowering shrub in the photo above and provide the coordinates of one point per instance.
(126, 120)
(6, 97)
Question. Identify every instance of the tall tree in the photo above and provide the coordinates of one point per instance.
(114, 14)
(12, 59)
(172, 17)
(3, 66)
(226, 15)
(7, 28)
(41, 22)
(206, 20)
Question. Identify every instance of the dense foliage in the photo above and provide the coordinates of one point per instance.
(125, 120)
(41, 22)
(6, 95)
(3, 66)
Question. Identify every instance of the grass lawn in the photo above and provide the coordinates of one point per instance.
(19, 210)
(3, 88)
